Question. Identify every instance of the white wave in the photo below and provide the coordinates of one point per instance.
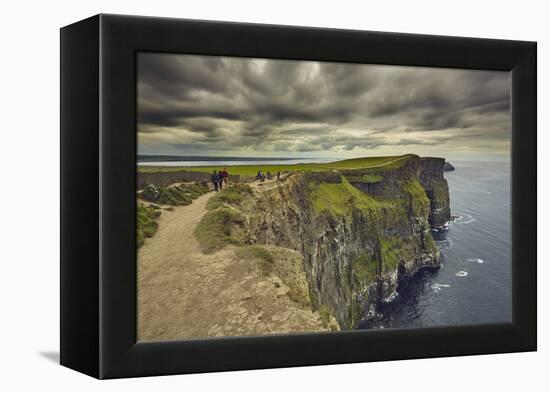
(476, 260)
(437, 287)
(372, 312)
(462, 220)
(442, 228)
(469, 220)
(461, 273)
(391, 298)
(444, 244)
(454, 219)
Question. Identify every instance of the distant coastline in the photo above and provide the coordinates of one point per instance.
(207, 161)
(169, 158)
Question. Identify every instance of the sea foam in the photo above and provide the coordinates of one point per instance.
(437, 287)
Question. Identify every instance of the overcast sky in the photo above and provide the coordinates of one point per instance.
(206, 105)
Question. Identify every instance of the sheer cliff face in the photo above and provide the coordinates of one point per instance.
(431, 177)
(360, 231)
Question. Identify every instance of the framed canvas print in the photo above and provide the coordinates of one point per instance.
(239, 196)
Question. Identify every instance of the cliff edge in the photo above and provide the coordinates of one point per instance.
(360, 231)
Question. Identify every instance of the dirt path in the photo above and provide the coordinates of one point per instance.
(387, 162)
(183, 293)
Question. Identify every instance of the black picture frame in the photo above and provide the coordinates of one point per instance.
(98, 177)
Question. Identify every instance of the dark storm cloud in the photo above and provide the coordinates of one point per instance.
(217, 104)
(441, 99)
(174, 75)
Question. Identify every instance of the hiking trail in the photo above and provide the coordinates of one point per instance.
(184, 293)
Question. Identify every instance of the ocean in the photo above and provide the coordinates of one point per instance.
(474, 283)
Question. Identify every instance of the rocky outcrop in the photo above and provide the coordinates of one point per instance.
(360, 232)
(432, 180)
(448, 167)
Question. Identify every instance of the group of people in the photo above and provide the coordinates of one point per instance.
(261, 176)
(219, 179)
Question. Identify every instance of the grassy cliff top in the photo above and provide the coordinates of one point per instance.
(251, 170)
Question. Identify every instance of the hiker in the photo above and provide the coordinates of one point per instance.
(259, 175)
(220, 179)
(215, 178)
(278, 175)
(268, 175)
(225, 176)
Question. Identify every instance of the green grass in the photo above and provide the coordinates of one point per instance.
(396, 249)
(266, 260)
(146, 223)
(393, 250)
(176, 195)
(231, 195)
(341, 198)
(325, 315)
(313, 298)
(363, 178)
(214, 230)
(251, 170)
(365, 268)
(299, 296)
(371, 178)
(429, 242)
(418, 198)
